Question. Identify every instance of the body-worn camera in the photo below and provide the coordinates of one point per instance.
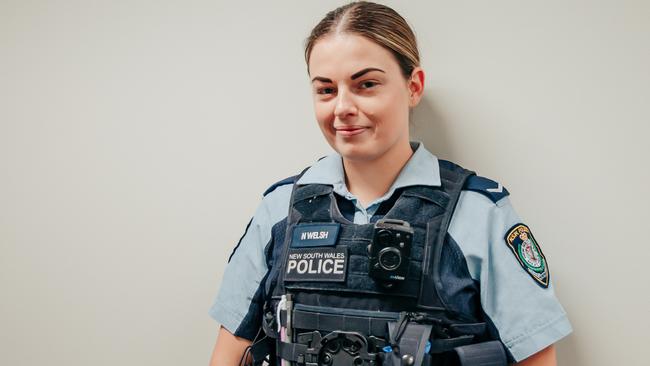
(390, 251)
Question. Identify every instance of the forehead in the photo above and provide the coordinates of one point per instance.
(341, 55)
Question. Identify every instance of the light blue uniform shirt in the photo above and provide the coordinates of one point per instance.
(527, 316)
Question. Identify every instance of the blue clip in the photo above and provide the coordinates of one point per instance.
(427, 348)
(388, 349)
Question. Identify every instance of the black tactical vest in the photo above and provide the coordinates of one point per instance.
(323, 308)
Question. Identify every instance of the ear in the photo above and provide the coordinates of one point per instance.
(415, 86)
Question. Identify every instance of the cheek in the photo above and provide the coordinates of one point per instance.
(392, 108)
(385, 112)
(387, 102)
(324, 114)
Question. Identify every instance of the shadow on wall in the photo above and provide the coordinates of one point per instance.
(429, 126)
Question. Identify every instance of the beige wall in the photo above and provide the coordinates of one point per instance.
(136, 138)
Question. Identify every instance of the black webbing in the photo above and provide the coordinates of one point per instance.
(294, 352)
(482, 354)
(368, 326)
(410, 340)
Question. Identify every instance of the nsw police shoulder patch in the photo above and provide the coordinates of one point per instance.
(525, 248)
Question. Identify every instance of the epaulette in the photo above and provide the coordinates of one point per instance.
(289, 180)
(487, 187)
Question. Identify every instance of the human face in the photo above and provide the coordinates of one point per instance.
(361, 99)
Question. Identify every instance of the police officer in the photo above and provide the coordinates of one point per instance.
(380, 253)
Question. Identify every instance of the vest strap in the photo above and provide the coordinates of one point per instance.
(369, 326)
(482, 354)
(447, 344)
(292, 352)
(411, 342)
(453, 178)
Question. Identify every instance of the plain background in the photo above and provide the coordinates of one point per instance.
(136, 138)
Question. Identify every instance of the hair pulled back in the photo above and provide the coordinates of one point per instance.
(378, 23)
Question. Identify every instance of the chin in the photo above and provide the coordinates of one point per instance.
(355, 151)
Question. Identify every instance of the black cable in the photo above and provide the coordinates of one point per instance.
(401, 326)
(243, 358)
(248, 349)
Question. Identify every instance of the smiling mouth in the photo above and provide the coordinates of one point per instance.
(346, 132)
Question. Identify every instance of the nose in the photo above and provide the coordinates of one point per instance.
(345, 106)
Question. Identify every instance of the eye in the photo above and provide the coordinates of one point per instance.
(326, 90)
(369, 84)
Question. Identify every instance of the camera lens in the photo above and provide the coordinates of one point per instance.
(390, 258)
(385, 238)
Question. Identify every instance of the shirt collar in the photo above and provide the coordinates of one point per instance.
(421, 169)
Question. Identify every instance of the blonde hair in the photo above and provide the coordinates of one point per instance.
(378, 23)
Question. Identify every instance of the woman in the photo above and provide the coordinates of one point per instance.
(363, 63)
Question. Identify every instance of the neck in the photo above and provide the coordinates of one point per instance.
(369, 180)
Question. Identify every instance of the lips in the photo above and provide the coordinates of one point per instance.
(350, 131)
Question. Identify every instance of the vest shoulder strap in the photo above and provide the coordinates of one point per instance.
(452, 174)
(450, 169)
(453, 178)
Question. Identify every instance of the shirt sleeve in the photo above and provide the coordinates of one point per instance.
(243, 273)
(238, 304)
(520, 303)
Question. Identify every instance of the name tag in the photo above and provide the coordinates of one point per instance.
(315, 235)
(317, 264)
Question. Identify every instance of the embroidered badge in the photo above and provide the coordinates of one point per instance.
(317, 264)
(522, 243)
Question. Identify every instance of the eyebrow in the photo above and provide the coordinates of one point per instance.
(356, 75)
